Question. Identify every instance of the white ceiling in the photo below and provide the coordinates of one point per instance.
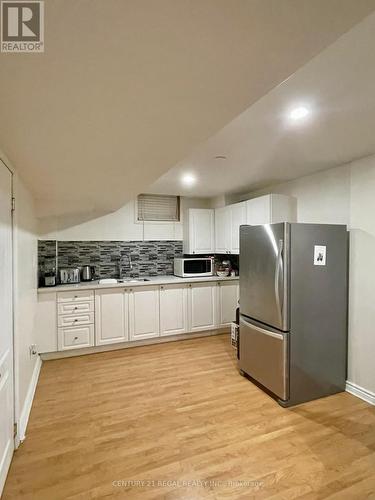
(263, 147)
(126, 89)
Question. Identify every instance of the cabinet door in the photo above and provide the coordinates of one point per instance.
(75, 338)
(237, 218)
(144, 312)
(173, 309)
(201, 231)
(228, 293)
(111, 316)
(259, 210)
(202, 306)
(223, 230)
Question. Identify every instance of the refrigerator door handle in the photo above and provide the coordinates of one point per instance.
(278, 270)
(279, 336)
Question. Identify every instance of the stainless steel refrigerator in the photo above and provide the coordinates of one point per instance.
(293, 309)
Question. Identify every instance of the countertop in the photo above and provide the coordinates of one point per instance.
(153, 280)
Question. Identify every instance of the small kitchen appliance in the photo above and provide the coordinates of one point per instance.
(193, 267)
(87, 273)
(224, 268)
(69, 275)
(49, 278)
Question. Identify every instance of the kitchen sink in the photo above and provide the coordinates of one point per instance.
(113, 281)
(132, 280)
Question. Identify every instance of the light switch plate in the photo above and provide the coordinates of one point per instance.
(320, 255)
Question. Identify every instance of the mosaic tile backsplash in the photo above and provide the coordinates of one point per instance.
(149, 258)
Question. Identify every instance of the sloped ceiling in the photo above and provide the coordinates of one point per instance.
(126, 89)
(263, 146)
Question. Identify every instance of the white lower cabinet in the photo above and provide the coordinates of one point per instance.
(111, 316)
(228, 295)
(75, 319)
(75, 338)
(173, 309)
(144, 312)
(70, 320)
(202, 306)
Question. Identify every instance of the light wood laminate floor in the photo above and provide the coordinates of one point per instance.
(180, 412)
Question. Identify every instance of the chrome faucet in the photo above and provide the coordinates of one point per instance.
(120, 264)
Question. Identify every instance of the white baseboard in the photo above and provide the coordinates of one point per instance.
(133, 343)
(360, 392)
(5, 464)
(25, 412)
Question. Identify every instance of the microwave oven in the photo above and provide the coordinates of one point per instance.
(193, 267)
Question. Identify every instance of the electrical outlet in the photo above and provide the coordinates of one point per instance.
(33, 350)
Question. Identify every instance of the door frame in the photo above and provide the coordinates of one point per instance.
(16, 410)
(15, 375)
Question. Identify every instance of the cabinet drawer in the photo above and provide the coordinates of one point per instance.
(75, 296)
(74, 338)
(75, 308)
(76, 319)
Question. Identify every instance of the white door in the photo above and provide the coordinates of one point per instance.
(202, 306)
(201, 230)
(6, 325)
(222, 230)
(173, 309)
(237, 218)
(111, 316)
(228, 292)
(144, 312)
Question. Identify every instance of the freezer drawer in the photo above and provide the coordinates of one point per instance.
(264, 356)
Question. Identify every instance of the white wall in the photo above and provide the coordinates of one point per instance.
(119, 225)
(362, 274)
(25, 268)
(346, 195)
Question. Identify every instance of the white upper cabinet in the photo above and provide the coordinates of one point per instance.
(199, 231)
(227, 227)
(173, 309)
(111, 316)
(222, 230)
(144, 312)
(271, 208)
(238, 216)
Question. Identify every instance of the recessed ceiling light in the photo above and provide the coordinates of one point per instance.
(188, 179)
(298, 113)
